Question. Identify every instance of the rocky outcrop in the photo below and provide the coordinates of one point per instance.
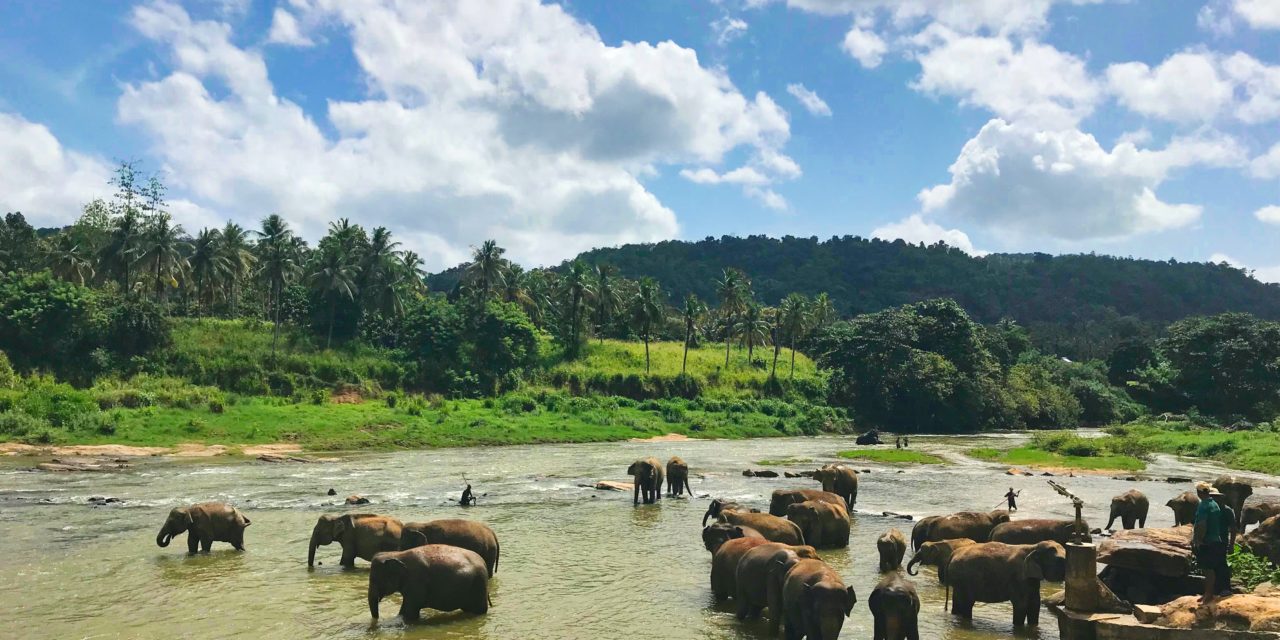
(1163, 552)
(70, 465)
(610, 485)
(762, 473)
(1259, 612)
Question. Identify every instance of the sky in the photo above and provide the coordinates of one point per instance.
(1145, 128)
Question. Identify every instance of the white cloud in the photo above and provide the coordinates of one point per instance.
(1260, 14)
(507, 119)
(1260, 83)
(1215, 17)
(915, 229)
(809, 100)
(1267, 165)
(1185, 87)
(1032, 82)
(865, 46)
(765, 168)
(1001, 16)
(1262, 274)
(45, 181)
(1269, 214)
(728, 29)
(768, 197)
(285, 30)
(1021, 182)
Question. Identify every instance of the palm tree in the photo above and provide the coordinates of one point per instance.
(753, 327)
(415, 275)
(488, 269)
(207, 263)
(333, 275)
(121, 249)
(279, 263)
(646, 312)
(731, 288)
(606, 297)
(162, 250)
(237, 259)
(577, 288)
(794, 319)
(822, 311)
(70, 261)
(691, 312)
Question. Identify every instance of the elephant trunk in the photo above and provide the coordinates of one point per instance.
(311, 551)
(163, 538)
(911, 566)
(705, 516)
(374, 598)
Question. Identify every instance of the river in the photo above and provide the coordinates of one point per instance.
(576, 562)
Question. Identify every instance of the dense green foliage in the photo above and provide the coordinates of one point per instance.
(1250, 570)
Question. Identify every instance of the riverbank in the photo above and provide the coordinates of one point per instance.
(1254, 448)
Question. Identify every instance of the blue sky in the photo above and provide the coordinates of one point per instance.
(1146, 128)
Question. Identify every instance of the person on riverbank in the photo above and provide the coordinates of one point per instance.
(1012, 498)
(1227, 520)
(1209, 543)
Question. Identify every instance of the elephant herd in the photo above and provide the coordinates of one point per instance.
(442, 564)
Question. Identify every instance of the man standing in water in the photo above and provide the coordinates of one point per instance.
(468, 498)
(1208, 542)
(1012, 498)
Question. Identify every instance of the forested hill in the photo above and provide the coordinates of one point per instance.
(1059, 296)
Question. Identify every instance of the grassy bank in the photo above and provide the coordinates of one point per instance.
(415, 422)
(1253, 450)
(1032, 457)
(892, 456)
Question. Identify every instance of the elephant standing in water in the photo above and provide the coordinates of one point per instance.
(468, 534)
(1035, 530)
(815, 601)
(759, 579)
(773, 528)
(840, 480)
(1131, 507)
(973, 525)
(996, 572)
(436, 576)
(720, 532)
(724, 565)
(647, 475)
(678, 477)
(205, 524)
(823, 525)
(1184, 508)
(892, 545)
(362, 535)
(1235, 490)
(895, 607)
(717, 506)
(783, 498)
(920, 531)
(939, 554)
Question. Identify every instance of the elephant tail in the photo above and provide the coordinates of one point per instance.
(497, 553)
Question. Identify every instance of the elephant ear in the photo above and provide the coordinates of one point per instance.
(737, 532)
(633, 469)
(873, 603)
(853, 599)
(340, 525)
(1031, 568)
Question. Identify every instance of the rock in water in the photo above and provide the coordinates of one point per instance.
(357, 499)
(610, 485)
(332, 492)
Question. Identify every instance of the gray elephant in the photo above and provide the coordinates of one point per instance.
(773, 528)
(783, 498)
(678, 477)
(205, 524)
(724, 565)
(718, 505)
(840, 480)
(1131, 507)
(823, 525)
(1235, 491)
(892, 546)
(1184, 508)
(999, 572)
(361, 535)
(974, 525)
(1035, 530)
(759, 579)
(920, 531)
(467, 534)
(939, 554)
(435, 576)
(718, 533)
(1256, 512)
(895, 607)
(647, 475)
(815, 601)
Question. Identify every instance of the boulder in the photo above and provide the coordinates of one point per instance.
(1244, 612)
(1141, 587)
(276, 458)
(1264, 540)
(102, 500)
(69, 465)
(1163, 552)
(357, 499)
(762, 473)
(332, 492)
(789, 474)
(610, 485)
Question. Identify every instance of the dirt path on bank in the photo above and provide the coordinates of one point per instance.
(185, 450)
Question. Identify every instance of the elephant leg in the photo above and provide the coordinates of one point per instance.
(410, 612)
(877, 632)
(348, 556)
(791, 630)
(961, 603)
(193, 543)
(635, 493)
(206, 543)
(912, 628)
(1033, 606)
(1142, 522)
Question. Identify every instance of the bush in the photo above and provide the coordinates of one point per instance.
(19, 423)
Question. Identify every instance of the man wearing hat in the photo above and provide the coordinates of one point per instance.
(1227, 519)
(1209, 542)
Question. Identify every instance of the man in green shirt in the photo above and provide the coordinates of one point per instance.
(1208, 541)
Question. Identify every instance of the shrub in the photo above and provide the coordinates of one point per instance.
(19, 423)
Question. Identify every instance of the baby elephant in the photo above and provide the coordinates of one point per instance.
(678, 477)
(892, 545)
(435, 576)
(815, 601)
(205, 523)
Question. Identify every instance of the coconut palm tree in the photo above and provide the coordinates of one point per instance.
(732, 290)
(123, 244)
(647, 313)
(415, 275)
(207, 263)
(691, 313)
(822, 312)
(576, 286)
(70, 261)
(753, 327)
(606, 298)
(333, 276)
(162, 251)
(488, 269)
(237, 260)
(794, 313)
(279, 263)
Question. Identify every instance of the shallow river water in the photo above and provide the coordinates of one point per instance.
(576, 563)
